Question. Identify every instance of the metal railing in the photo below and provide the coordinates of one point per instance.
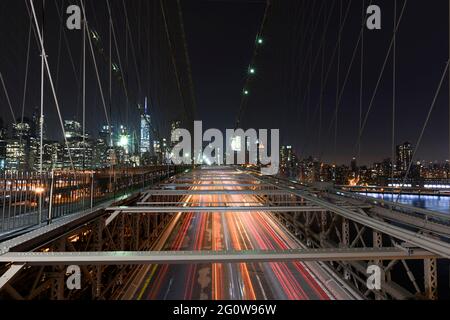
(29, 199)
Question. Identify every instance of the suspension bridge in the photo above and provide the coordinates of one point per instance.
(139, 227)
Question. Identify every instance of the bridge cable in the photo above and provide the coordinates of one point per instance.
(425, 125)
(27, 65)
(41, 119)
(322, 91)
(315, 64)
(7, 97)
(388, 53)
(33, 11)
(172, 54)
(361, 83)
(330, 65)
(245, 93)
(338, 80)
(394, 96)
(293, 64)
(360, 38)
(305, 101)
(122, 78)
(63, 35)
(341, 28)
(133, 52)
(96, 68)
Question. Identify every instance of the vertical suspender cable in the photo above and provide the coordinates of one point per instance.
(91, 47)
(338, 71)
(61, 28)
(361, 84)
(41, 119)
(27, 66)
(380, 76)
(394, 80)
(322, 85)
(84, 90)
(47, 67)
(173, 59)
(113, 152)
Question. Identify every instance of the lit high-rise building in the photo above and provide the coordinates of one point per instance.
(22, 129)
(106, 134)
(146, 142)
(289, 163)
(73, 129)
(16, 155)
(123, 139)
(2, 145)
(404, 156)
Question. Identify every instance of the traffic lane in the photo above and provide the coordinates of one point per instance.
(258, 230)
(230, 281)
(174, 282)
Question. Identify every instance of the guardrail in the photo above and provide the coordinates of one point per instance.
(29, 199)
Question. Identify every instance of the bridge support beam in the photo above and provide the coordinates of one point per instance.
(430, 273)
(323, 227)
(377, 239)
(57, 291)
(345, 244)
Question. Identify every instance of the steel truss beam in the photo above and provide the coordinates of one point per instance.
(11, 273)
(197, 257)
(176, 209)
(214, 192)
(417, 239)
(218, 185)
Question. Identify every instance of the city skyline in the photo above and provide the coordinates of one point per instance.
(141, 77)
(140, 143)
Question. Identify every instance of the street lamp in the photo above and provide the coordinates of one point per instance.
(39, 190)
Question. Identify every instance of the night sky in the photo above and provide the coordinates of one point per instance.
(221, 37)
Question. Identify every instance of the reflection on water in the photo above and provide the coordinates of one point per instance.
(435, 203)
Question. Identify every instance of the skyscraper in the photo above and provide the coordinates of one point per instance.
(123, 138)
(146, 143)
(22, 129)
(73, 129)
(18, 148)
(2, 145)
(176, 137)
(288, 162)
(404, 156)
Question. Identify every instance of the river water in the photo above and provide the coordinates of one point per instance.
(435, 203)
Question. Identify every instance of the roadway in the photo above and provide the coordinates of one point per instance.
(219, 231)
